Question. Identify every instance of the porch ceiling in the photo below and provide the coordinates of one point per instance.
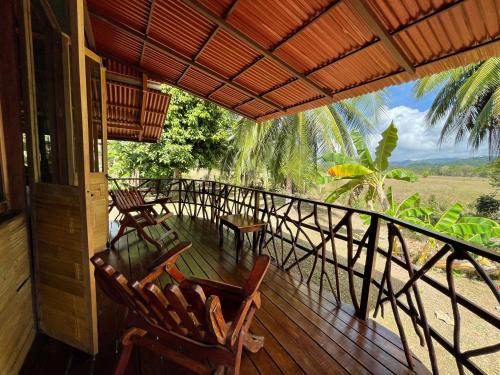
(264, 59)
(136, 109)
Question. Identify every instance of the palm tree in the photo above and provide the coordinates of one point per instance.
(468, 99)
(285, 151)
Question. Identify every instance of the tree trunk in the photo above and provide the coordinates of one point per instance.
(382, 198)
(177, 173)
(288, 187)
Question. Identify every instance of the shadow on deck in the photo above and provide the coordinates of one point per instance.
(305, 331)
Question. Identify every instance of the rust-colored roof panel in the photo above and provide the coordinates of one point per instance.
(116, 42)
(134, 13)
(158, 62)
(345, 33)
(229, 96)
(179, 27)
(293, 93)
(263, 76)
(264, 59)
(226, 54)
(268, 22)
(199, 82)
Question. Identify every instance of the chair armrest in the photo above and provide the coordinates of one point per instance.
(161, 200)
(166, 263)
(140, 207)
(216, 287)
(256, 276)
(252, 299)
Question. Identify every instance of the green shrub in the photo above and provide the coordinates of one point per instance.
(487, 206)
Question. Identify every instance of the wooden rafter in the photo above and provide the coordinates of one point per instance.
(245, 39)
(141, 37)
(379, 30)
(148, 26)
(184, 72)
(89, 33)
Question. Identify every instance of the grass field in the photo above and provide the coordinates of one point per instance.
(444, 190)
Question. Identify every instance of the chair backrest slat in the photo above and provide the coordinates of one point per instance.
(180, 306)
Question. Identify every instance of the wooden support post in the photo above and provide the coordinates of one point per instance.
(143, 105)
(371, 254)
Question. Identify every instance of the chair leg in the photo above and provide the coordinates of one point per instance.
(146, 237)
(125, 354)
(120, 233)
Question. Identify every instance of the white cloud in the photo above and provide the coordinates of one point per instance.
(417, 141)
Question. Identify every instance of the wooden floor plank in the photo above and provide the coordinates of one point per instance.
(305, 331)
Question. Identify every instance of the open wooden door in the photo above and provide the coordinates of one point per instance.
(97, 205)
(66, 117)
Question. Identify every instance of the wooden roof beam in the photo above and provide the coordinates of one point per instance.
(148, 26)
(141, 37)
(379, 30)
(89, 33)
(195, 5)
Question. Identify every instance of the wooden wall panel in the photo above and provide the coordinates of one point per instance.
(98, 215)
(17, 329)
(62, 265)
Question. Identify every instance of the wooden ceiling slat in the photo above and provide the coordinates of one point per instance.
(245, 39)
(137, 35)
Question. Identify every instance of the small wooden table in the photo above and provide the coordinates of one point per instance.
(242, 224)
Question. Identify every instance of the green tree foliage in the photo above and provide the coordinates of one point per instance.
(487, 205)
(468, 100)
(194, 136)
(285, 152)
(364, 171)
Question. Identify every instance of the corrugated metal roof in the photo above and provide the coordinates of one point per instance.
(266, 59)
(125, 103)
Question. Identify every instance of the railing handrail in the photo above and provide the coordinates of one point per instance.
(454, 242)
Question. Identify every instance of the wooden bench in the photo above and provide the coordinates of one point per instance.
(242, 224)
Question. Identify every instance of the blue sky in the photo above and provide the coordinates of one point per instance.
(416, 140)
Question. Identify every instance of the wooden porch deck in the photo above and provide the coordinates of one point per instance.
(305, 332)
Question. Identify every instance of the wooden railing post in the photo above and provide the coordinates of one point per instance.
(368, 274)
(180, 196)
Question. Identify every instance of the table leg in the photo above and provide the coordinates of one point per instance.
(221, 236)
(255, 238)
(262, 234)
(239, 244)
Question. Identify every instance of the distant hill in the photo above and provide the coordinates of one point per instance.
(474, 162)
(469, 167)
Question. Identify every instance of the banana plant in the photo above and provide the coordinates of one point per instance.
(407, 209)
(478, 230)
(365, 172)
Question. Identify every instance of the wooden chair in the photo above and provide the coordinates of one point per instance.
(201, 325)
(139, 214)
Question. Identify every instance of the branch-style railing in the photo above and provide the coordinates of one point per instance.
(329, 245)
